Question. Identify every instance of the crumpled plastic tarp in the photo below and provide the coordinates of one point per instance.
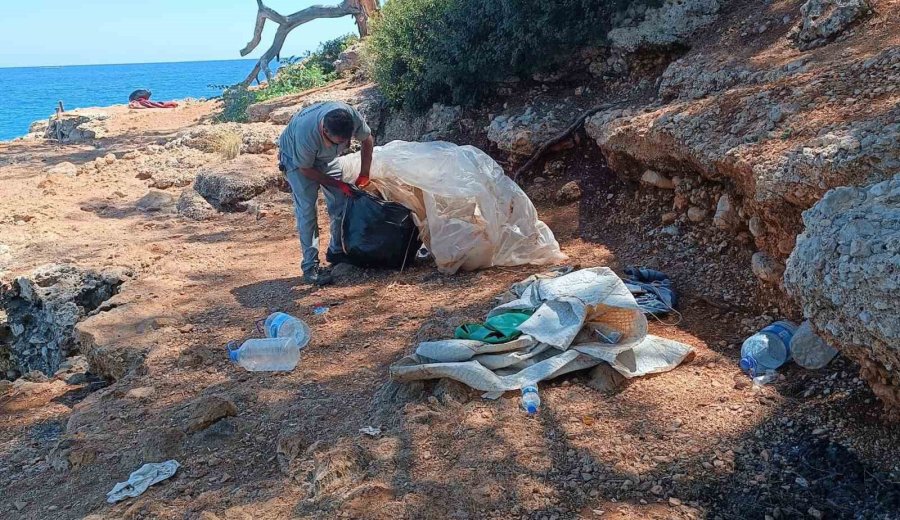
(141, 479)
(469, 213)
(560, 337)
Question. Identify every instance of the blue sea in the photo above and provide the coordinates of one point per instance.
(29, 94)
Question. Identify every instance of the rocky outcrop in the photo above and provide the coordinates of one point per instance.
(670, 24)
(155, 201)
(256, 138)
(193, 206)
(64, 168)
(43, 308)
(348, 60)
(844, 271)
(440, 123)
(821, 21)
(227, 186)
(367, 100)
(748, 139)
(78, 126)
(521, 132)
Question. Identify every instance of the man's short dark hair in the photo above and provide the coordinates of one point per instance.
(339, 123)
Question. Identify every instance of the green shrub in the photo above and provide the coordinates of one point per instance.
(454, 50)
(294, 76)
(403, 43)
(329, 51)
(313, 70)
(235, 100)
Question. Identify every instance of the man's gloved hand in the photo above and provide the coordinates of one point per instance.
(346, 189)
(362, 181)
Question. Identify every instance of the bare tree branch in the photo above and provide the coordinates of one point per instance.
(360, 9)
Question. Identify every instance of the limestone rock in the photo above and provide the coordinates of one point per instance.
(193, 206)
(726, 217)
(207, 410)
(39, 127)
(368, 101)
(256, 138)
(348, 60)
(116, 340)
(64, 168)
(228, 185)
(142, 392)
(844, 273)
(155, 201)
(766, 268)
(670, 24)
(521, 133)
(73, 370)
(570, 192)
(653, 178)
(605, 378)
(43, 308)
(77, 126)
(823, 20)
(438, 124)
(777, 178)
(696, 214)
(171, 178)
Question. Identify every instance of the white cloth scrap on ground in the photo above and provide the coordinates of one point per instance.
(469, 213)
(558, 338)
(141, 479)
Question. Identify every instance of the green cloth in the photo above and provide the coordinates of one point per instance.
(496, 329)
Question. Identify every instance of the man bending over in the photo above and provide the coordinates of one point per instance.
(309, 148)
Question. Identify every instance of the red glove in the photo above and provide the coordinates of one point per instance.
(346, 189)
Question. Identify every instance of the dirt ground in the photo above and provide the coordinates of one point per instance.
(698, 442)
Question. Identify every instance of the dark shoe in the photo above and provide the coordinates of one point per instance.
(337, 258)
(318, 276)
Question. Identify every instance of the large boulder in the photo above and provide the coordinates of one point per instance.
(191, 205)
(823, 20)
(43, 308)
(521, 132)
(670, 24)
(844, 271)
(227, 186)
(348, 60)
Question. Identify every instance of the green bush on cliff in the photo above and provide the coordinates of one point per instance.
(453, 50)
(312, 70)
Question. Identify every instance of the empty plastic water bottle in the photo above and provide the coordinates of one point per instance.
(531, 401)
(768, 349)
(808, 350)
(283, 325)
(267, 354)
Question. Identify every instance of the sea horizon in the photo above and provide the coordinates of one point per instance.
(30, 94)
(6, 67)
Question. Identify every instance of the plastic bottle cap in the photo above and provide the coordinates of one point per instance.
(233, 355)
(531, 409)
(747, 363)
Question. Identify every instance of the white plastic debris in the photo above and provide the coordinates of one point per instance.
(143, 478)
(370, 431)
(560, 337)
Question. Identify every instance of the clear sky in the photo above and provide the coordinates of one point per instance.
(72, 32)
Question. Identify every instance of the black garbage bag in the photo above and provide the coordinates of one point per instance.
(378, 233)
